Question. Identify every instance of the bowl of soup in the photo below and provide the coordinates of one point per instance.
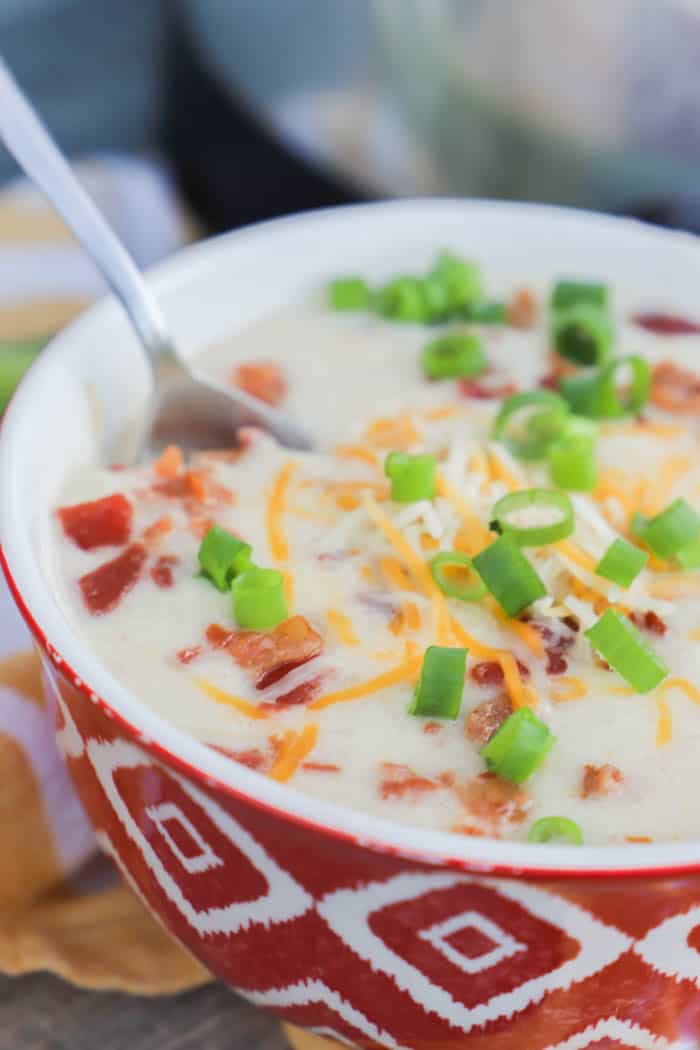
(398, 736)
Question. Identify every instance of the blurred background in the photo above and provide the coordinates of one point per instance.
(263, 106)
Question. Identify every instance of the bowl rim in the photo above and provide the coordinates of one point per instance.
(164, 741)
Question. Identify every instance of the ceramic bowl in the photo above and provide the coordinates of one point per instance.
(378, 935)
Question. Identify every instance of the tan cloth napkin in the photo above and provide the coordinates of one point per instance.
(61, 909)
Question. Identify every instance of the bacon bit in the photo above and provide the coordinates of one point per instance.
(170, 462)
(102, 522)
(487, 717)
(556, 644)
(162, 572)
(432, 727)
(104, 587)
(484, 391)
(186, 656)
(600, 780)
(522, 309)
(550, 381)
(300, 694)
(262, 379)
(398, 781)
(199, 527)
(649, 621)
(157, 529)
(320, 767)
(494, 801)
(665, 324)
(270, 655)
(489, 672)
(253, 758)
(675, 389)
(469, 829)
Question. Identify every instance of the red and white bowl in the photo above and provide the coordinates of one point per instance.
(376, 934)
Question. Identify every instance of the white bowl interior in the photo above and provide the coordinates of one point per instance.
(92, 379)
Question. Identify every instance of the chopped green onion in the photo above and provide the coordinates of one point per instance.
(622, 563)
(509, 576)
(436, 296)
(456, 355)
(221, 555)
(596, 394)
(412, 477)
(349, 293)
(403, 300)
(559, 829)
(529, 423)
(572, 458)
(582, 334)
(15, 359)
(461, 279)
(573, 293)
(485, 313)
(688, 557)
(670, 531)
(540, 501)
(518, 747)
(258, 598)
(466, 591)
(439, 690)
(619, 643)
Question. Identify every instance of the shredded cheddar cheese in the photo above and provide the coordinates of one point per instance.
(342, 627)
(295, 747)
(473, 532)
(519, 693)
(576, 555)
(402, 673)
(500, 472)
(657, 491)
(399, 433)
(279, 548)
(691, 691)
(569, 688)
(441, 412)
(524, 631)
(695, 635)
(406, 619)
(222, 697)
(289, 588)
(664, 723)
(169, 464)
(396, 573)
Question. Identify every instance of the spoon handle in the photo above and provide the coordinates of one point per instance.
(28, 140)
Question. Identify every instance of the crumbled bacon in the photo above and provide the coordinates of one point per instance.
(469, 829)
(483, 390)
(493, 801)
(522, 309)
(399, 781)
(600, 780)
(487, 717)
(300, 694)
(262, 379)
(649, 621)
(157, 529)
(557, 642)
(162, 572)
(102, 522)
(675, 389)
(195, 489)
(550, 381)
(269, 655)
(320, 767)
(665, 324)
(489, 672)
(431, 727)
(169, 463)
(253, 758)
(104, 587)
(186, 656)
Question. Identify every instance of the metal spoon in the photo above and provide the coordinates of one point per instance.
(192, 411)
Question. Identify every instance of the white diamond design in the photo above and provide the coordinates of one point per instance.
(504, 944)
(624, 1032)
(285, 898)
(347, 913)
(68, 737)
(313, 991)
(204, 860)
(666, 948)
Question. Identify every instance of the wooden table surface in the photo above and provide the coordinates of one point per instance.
(40, 1012)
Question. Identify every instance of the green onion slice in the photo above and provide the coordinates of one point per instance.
(601, 395)
(460, 278)
(622, 563)
(403, 300)
(572, 458)
(349, 293)
(556, 829)
(619, 642)
(509, 576)
(456, 355)
(439, 690)
(258, 598)
(670, 531)
(221, 555)
(15, 359)
(539, 504)
(485, 313)
(582, 334)
(528, 423)
(688, 557)
(574, 293)
(471, 590)
(518, 747)
(412, 477)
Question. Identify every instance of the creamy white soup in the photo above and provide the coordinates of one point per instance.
(468, 610)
